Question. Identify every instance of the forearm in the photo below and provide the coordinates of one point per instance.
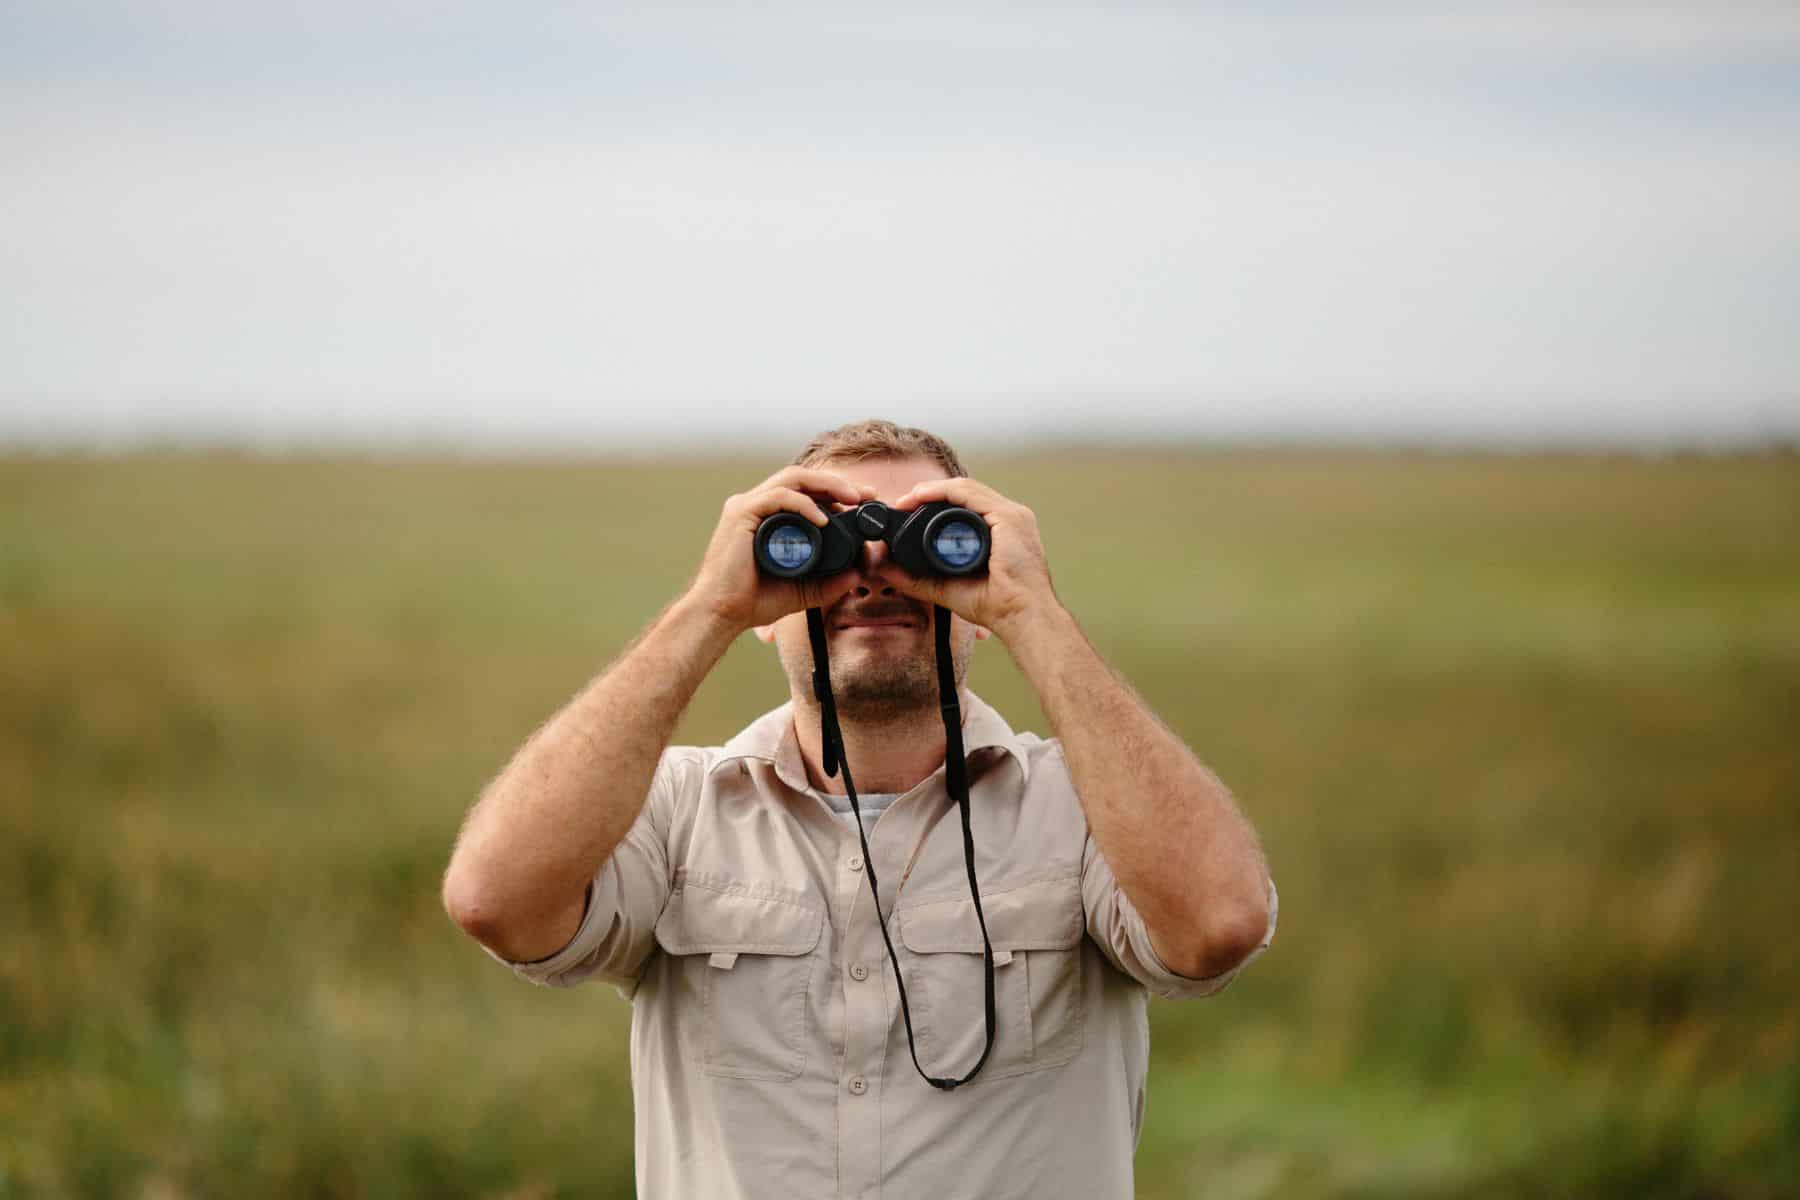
(1176, 841)
(517, 880)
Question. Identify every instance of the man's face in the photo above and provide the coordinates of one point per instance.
(883, 656)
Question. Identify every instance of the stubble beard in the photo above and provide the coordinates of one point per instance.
(885, 690)
(872, 687)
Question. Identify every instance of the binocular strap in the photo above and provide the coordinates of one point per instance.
(956, 782)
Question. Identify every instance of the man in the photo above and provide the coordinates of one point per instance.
(725, 890)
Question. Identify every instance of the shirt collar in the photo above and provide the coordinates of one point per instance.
(771, 738)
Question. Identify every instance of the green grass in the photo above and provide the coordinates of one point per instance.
(1522, 736)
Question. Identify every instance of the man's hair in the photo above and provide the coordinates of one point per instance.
(876, 438)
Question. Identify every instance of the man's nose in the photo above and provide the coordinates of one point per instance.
(871, 564)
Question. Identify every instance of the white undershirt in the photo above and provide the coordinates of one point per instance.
(872, 805)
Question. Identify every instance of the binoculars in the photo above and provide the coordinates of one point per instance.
(933, 539)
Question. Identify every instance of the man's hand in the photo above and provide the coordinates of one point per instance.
(728, 584)
(1017, 584)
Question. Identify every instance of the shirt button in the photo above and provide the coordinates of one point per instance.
(854, 862)
(858, 1085)
(858, 971)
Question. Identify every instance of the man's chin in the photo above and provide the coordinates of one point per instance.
(882, 687)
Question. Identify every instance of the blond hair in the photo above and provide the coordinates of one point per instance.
(876, 438)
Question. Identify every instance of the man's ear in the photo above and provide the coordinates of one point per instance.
(765, 633)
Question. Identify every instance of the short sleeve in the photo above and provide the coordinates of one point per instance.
(628, 892)
(1114, 924)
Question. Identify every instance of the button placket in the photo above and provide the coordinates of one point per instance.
(871, 1005)
(867, 1015)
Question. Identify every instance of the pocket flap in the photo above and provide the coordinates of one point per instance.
(1045, 915)
(707, 919)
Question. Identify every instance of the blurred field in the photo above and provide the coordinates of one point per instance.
(1522, 736)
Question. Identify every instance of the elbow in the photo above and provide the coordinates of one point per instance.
(478, 900)
(1228, 936)
(518, 925)
(466, 900)
(480, 910)
(480, 890)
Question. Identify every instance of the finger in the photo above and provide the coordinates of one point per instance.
(823, 593)
(976, 497)
(818, 480)
(783, 499)
(929, 589)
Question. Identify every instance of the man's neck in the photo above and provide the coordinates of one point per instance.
(890, 756)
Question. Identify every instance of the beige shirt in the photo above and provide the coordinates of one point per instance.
(768, 1055)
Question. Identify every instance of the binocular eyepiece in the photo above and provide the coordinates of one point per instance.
(933, 539)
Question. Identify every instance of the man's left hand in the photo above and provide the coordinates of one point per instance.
(1017, 584)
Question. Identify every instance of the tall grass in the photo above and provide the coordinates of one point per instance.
(1522, 737)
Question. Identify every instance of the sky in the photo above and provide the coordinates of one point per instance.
(694, 225)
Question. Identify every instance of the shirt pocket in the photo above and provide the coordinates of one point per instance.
(1036, 931)
(749, 957)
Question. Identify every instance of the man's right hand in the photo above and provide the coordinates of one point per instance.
(728, 583)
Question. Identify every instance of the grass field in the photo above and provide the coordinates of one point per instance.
(1521, 735)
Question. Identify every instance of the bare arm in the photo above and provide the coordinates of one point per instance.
(1179, 847)
(1176, 841)
(517, 880)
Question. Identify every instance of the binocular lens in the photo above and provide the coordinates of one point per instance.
(958, 544)
(790, 548)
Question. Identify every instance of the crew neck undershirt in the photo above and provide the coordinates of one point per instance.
(873, 804)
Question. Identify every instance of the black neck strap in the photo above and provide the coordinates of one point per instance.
(956, 782)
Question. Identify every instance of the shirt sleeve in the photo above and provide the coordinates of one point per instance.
(628, 892)
(1114, 924)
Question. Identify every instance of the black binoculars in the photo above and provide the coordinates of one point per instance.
(933, 539)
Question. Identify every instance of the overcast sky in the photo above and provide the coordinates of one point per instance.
(529, 223)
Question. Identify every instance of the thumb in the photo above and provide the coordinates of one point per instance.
(823, 593)
(928, 589)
